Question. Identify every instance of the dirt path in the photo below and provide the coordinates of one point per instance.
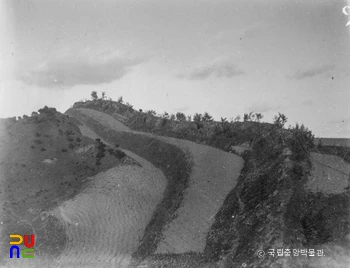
(215, 174)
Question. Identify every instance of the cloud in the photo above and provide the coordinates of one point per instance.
(308, 103)
(183, 108)
(263, 107)
(219, 67)
(231, 36)
(345, 120)
(68, 68)
(299, 75)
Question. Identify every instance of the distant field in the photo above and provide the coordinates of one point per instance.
(334, 141)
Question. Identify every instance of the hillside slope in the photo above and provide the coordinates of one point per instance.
(215, 173)
(44, 162)
(275, 203)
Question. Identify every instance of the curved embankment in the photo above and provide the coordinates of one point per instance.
(107, 220)
(214, 174)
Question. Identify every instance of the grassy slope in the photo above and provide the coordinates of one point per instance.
(174, 163)
(32, 187)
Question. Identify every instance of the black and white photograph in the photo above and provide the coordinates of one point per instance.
(174, 134)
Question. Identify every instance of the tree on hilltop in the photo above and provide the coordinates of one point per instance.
(280, 120)
(246, 118)
(258, 117)
(180, 116)
(207, 117)
(94, 95)
(165, 115)
(151, 112)
(197, 117)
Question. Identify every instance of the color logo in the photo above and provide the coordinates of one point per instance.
(27, 252)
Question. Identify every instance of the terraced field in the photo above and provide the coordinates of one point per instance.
(107, 219)
(215, 173)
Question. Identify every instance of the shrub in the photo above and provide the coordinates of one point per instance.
(298, 170)
(48, 111)
(280, 120)
(78, 139)
(100, 155)
(42, 149)
(301, 143)
(69, 132)
(151, 112)
(119, 154)
(130, 107)
(71, 146)
(64, 150)
(117, 145)
(101, 147)
(32, 146)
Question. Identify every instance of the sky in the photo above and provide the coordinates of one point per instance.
(223, 57)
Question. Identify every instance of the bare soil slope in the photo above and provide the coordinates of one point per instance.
(106, 221)
(215, 174)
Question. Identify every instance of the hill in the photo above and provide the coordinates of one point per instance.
(290, 194)
(44, 161)
(272, 205)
